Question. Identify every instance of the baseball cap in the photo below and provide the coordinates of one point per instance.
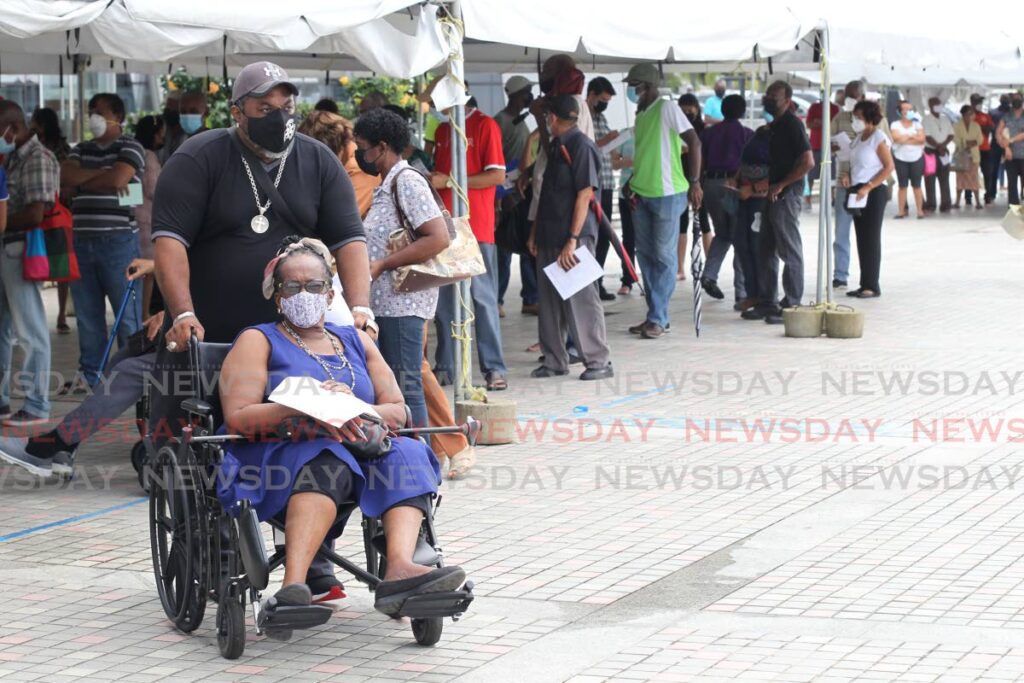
(258, 79)
(564, 107)
(517, 83)
(644, 73)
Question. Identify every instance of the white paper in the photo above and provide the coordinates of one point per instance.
(946, 159)
(584, 273)
(307, 395)
(625, 135)
(853, 202)
(843, 142)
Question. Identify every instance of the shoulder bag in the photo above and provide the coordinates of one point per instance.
(460, 261)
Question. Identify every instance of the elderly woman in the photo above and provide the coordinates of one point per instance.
(967, 136)
(307, 481)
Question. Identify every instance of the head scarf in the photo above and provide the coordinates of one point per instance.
(306, 242)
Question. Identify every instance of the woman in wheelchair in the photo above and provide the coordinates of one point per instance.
(322, 472)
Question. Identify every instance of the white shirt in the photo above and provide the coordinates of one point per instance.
(905, 152)
(938, 128)
(864, 161)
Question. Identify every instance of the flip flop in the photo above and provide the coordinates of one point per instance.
(391, 595)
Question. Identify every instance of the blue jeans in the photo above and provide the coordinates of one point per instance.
(22, 315)
(103, 260)
(484, 292)
(401, 343)
(656, 222)
(527, 275)
(841, 243)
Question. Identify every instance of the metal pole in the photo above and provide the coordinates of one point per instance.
(457, 118)
(80, 109)
(420, 119)
(825, 177)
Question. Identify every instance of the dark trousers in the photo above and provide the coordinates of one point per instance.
(628, 239)
(780, 239)
(527, 275)
(868, 226)
(942, 178)
(990, 159)
(746, 242)
(603, 241)
(1014, 175)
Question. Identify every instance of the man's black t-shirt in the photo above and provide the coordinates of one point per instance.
(562, 182)
(788, 143)
(204, 199)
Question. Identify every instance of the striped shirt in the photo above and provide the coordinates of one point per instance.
(96, 212)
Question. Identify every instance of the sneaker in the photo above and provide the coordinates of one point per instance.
(712, 288)
(639, 329)
(12, 450)
(838, 284)
(652, 331)
(326, 589)
(597, 373)
(63, 463)
(23, 419)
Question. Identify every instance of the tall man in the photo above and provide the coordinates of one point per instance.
(791, 159)
(660, 191)
(210, 244)
(106, 235)
(514, 137)
(485, 168)
(938, 131)
(33, 181)
(599, 93)
(564, 223)
(989, 164)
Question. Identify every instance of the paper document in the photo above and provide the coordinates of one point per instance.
(584, 273)
(853, 202)
(625, 135)
(842, 141)
(307, 395)
(134, 196)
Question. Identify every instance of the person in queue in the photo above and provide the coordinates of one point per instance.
(322, 472)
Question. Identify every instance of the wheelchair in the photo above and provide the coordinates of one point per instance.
(203, 554)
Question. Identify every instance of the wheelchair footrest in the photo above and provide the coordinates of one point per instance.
(282, 617)
(446, 604)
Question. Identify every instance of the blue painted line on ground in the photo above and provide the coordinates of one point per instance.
(70, 520)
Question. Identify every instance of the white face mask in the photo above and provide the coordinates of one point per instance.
(304, 309)
(849, 103)
(97, 125)
(936, 110)
(858, 125)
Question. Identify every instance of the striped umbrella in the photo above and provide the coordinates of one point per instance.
(696, 270)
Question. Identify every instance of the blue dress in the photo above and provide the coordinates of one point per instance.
(263, 473)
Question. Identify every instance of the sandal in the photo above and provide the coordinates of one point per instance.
(624, 290)
(62, 328)
(496, 382)
(533, 348)
(461, 463)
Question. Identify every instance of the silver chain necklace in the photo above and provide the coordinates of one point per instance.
(260, 223)
(345, 363)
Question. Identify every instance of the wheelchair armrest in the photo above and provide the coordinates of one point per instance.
(196, 406)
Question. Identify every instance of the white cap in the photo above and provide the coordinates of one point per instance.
(516, 84)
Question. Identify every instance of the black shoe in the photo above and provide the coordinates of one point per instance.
(774, 318)
(838, 284)
(605, 295)
(597, 373)
(753, 314)
(544, 372)
(575, 359)
(295, 595)
(711, 287)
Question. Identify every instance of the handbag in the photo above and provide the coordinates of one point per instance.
(35, 266)
(961, 161)
(930, 165)
(1013, 222)
(60, 243)
(460, 261)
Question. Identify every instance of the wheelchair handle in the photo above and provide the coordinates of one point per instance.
(470, 429)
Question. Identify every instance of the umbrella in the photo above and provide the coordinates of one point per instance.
(605, 224)
(696, 270)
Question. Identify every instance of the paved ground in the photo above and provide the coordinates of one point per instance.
(738, 506)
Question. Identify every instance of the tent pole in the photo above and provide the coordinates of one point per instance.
(80, 109)
(824, 287)
(461, 291)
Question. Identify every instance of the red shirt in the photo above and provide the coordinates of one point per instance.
(983, 119)
(814, 114)
(483, 153)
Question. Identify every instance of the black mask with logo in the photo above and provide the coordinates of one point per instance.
(272, 132)
(365, 165)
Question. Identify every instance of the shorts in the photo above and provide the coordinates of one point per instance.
(909, 172)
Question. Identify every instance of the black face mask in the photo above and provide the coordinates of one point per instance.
(528, 100)
(770, 106)
(600, 106)
(365, 165)
(272, 132)
(547, 85)
(1017, 104)
(172, 118)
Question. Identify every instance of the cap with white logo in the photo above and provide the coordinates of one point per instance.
(258, 79)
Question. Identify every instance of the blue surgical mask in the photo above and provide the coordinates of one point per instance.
(6, 147)
(767, 117)
(907, 114)
(631, 94)
(190, 123)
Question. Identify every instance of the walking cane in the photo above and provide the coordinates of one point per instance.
(128, 294)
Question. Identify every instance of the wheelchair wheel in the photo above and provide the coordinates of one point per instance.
(179, 544)
(230, 628)
(427, 632)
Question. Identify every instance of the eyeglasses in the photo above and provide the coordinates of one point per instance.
(293, 287)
